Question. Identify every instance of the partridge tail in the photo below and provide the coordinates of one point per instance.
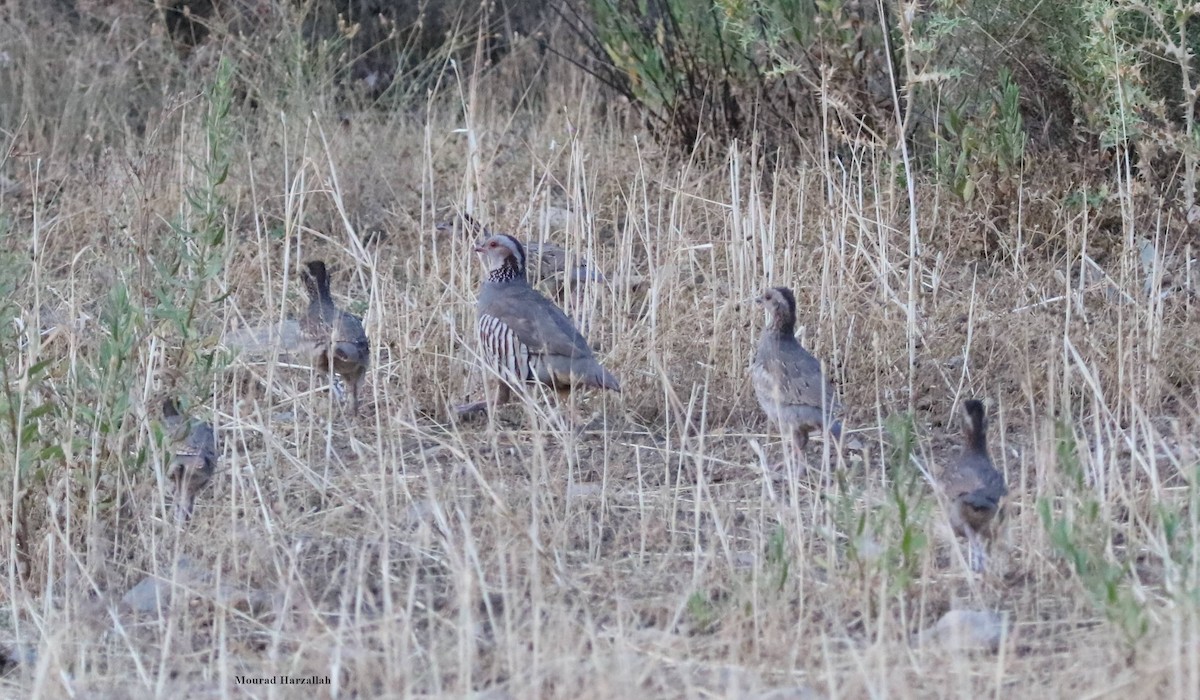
(982, 500)
(579, 372)
(605, 380)
(347, 351)
(850, 442)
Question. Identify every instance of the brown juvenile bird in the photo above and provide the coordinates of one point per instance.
(335, 339)
(787, 379)
(193, 458)
(973, 486)
(523, 336)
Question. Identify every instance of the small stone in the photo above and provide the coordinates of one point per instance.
(418, 512)
(584, 489)
(152, 591)
(796, 692)
(966, 630)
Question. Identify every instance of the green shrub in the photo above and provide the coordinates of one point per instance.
(1080, 532)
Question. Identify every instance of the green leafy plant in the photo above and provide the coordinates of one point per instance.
(108, 376)
(703, 611)
(1178, 526)
(986, 147)
(778, 562)
(29, 443)
(194, 259)
(889, 540)
(731, 69)
(1081, 534)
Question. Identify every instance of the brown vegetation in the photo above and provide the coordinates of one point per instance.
(154, 202)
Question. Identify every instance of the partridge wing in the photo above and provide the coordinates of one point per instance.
(792, 375)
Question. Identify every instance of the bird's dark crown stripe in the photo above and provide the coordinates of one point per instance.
(784, 317)
(789, 297)
(518, 249)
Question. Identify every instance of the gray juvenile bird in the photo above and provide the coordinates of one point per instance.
(787, 379)
(335, 339)
(193, 458)
(546, 262)
(973, 486)
(523, 336)
(554, 265)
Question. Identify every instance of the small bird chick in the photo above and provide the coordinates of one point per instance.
(787, 379)
(524, 338)
(334, 338)
(973, 487)
(193, 458)
(554, 266)
(547, 263)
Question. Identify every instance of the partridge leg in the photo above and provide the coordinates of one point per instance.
(976, 551)
(574, 417)
(355, 385)
(799, 440)
(338, 386)
(795, 440)
(183, 507)
(466, 410)
(497, 394)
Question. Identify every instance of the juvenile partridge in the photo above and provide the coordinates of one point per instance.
(554, 265)
(523, 336)
(546, 263)
(787, 379)
(334, 338)
(193, 458)
(973, 486)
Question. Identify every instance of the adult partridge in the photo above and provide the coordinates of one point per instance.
(787, 379)
(973, 487)
(524, 338)
(193, 458)
(334, 338)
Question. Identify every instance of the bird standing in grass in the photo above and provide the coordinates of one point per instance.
(787, 379)
(335, 338)
(974, 487)
(193, 458)
(523, 336)
(546, 263)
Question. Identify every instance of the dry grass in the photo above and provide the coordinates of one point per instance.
(401, 555)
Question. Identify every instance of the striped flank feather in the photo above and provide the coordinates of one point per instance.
(504, 350)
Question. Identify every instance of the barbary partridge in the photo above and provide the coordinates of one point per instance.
(193, 457)
(334, 338)
(787, 379)
(523, 336)
(973, 486)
